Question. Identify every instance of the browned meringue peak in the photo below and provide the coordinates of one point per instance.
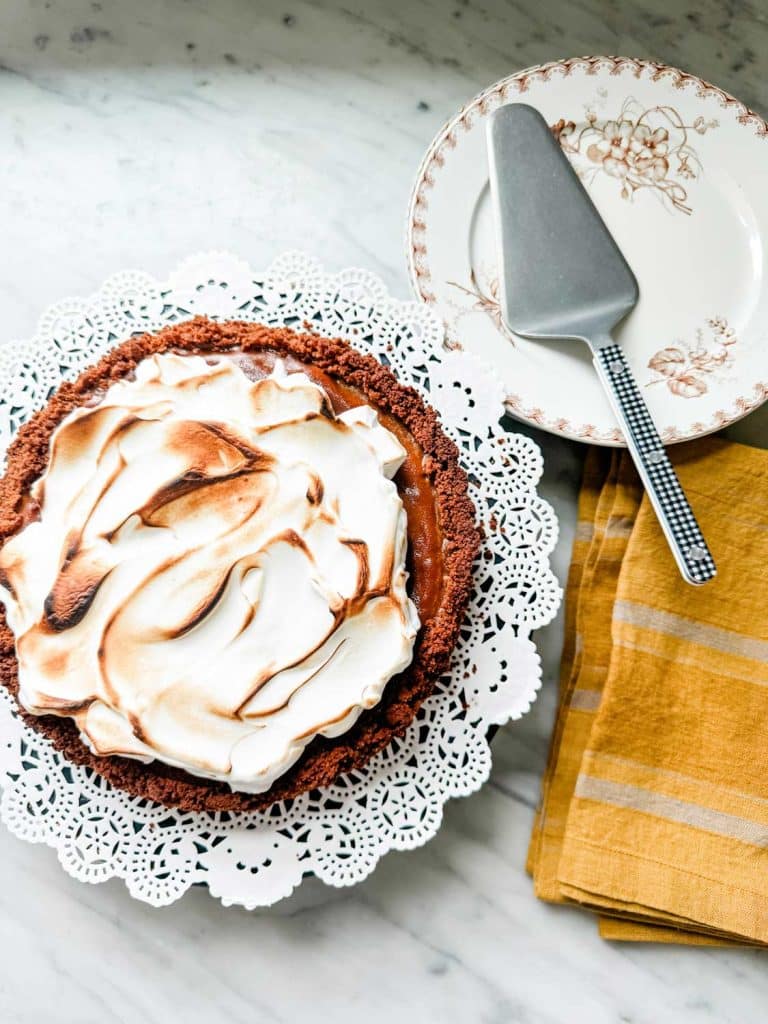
(217, 574)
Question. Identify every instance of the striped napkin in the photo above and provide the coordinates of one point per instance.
(654, 809)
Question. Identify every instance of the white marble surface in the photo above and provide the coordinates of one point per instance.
(134, 133)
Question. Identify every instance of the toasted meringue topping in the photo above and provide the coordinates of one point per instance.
(217, 574)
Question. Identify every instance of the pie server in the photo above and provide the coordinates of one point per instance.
(562, 276)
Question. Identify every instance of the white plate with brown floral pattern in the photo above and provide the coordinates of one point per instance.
(677, 169)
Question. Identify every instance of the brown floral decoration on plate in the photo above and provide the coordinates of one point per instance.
(688, 369)
(641, 148)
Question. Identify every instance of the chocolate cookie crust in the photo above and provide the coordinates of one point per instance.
(324, 759)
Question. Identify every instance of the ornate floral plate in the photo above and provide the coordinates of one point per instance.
(677, 169)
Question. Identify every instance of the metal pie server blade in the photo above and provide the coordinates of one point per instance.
(562, 276)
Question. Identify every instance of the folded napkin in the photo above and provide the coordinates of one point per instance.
(654, 809)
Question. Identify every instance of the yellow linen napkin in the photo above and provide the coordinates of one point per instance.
(590, 526)
(616, 929)
(655, 801)
(608, 503)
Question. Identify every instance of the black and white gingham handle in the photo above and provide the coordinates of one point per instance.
(667, 497)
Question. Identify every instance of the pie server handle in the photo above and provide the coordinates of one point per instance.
(656, 471)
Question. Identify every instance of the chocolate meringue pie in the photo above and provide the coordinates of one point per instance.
(234, 561)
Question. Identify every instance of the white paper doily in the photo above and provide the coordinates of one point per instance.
(339, 833)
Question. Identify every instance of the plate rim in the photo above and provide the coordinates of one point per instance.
(420, 277)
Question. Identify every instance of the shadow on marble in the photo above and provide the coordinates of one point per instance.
(722, 41)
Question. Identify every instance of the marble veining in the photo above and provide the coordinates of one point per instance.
(136, 133)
